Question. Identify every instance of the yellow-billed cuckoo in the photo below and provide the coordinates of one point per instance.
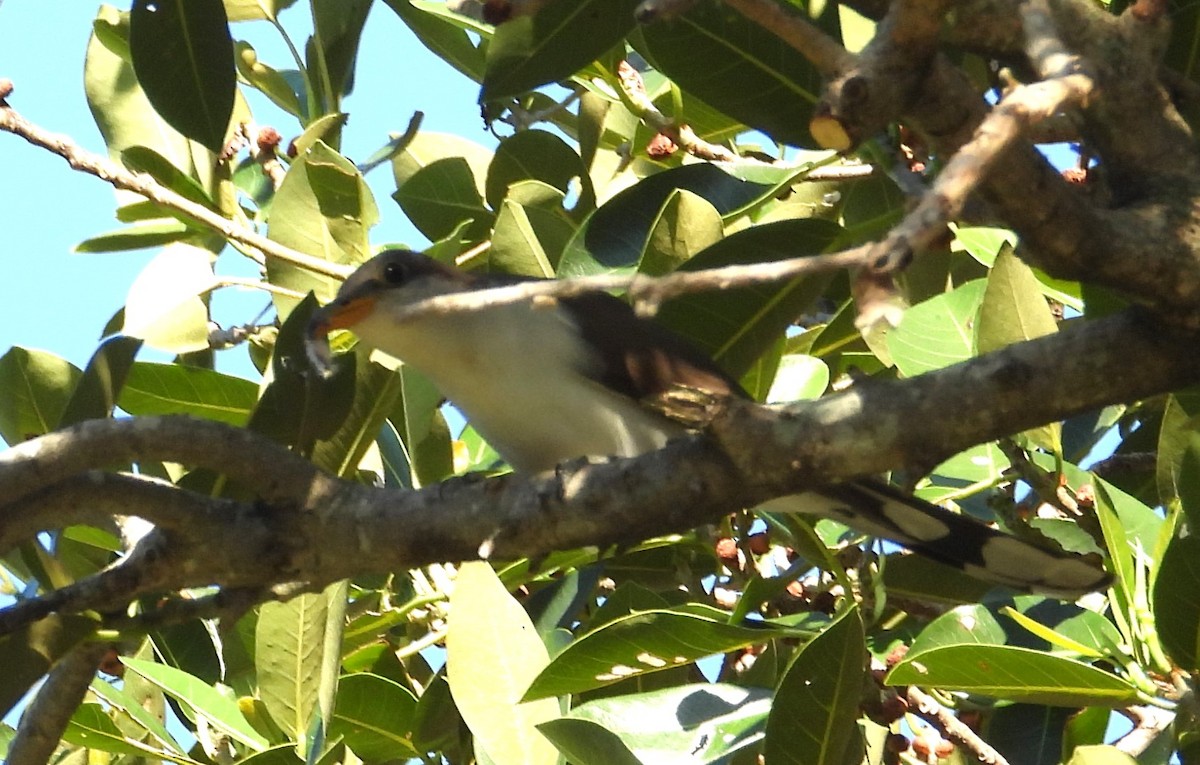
(547, 383)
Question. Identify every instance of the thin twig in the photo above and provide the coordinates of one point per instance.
(928, 708)
(646, 292)
(140, 183)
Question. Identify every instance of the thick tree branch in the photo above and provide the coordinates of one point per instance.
(307, 529)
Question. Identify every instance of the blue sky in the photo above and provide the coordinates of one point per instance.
(47, 208)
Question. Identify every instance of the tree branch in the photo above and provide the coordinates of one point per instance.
(139, 183)
(44, 721)
(307, 529)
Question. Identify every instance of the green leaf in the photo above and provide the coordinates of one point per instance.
(1177, 470)
(938, 332)
(28, 652)
(123, 701)
(338, 26)
(1016, 674)
(139, 237)
(640, 643)
(37, 386)
(96, 394)
(183, 56)
(166, 305)
(1029, 733)
(422, 428)
(825, 681)
(376, 390)
(266, 80)
(374, 716)
(122, 112)
(298, 407)
(492, 653)
(140, 159)
(289, 643)
(155, 389)
(696, 723)
(799, 378)
(516, 247)
(448, 41)
(552, 43)
(1100, 754)
(762, 81)
(737, 326)
(323, 208)
(984, 244)
(1013, 310)
(220, 711)
(251, 10)
(92, 728)
(686, 225)
(440, 196)
(1177, 602)
(537, 155)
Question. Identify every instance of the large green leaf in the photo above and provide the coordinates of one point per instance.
(376, 390)
(449, 41)
(183, 56)
(614, 238)
(552, 43)
(1017, 674)
(737, 326)
(762, 81)
(442, 195)
(323, 208)
(492, 653)
(640, 643)
(37, 386)
(267, 80)
(154, 389)
(537, 155)
(374, 716)
(120, 108)
(299, 407)
(289, 644)
(1013, 311)
(138, 237)
(1177, 470)
(140, 721)
(938, 332)
(1177, 602)
(813, 718)
(96, 394)
(691, 723)
(333, 48)
(167, 303)
(687, 224)
(1029, 733)
(92, 728)
(220, 711)
(251, 10)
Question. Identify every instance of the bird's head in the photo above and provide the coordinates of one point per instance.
(373, 294)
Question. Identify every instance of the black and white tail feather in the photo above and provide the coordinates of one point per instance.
(981, 551)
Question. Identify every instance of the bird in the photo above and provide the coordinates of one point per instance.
(548, 381)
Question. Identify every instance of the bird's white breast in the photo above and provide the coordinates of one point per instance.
(521, 376)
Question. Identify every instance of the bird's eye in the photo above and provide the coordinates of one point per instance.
(394, 273)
